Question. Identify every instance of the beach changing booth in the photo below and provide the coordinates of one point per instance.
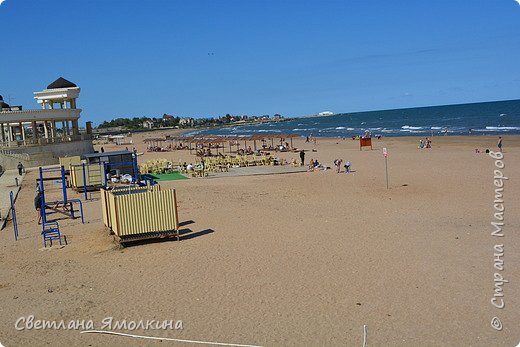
(68, 161)
(140, 213)
(106, 202)
(85, 177)
(97, 168)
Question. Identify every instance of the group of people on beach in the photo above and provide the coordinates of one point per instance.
(311, 139)
(338, 162)
(315, 165)
(426, 143)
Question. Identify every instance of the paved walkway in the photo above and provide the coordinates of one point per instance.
(8, 185)
(259, 170)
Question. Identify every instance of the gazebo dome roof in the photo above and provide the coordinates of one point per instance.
(3, 104)
(61, 83)
(1, 98)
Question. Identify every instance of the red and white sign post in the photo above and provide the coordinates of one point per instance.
(385, 154)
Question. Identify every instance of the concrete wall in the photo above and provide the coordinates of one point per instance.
(34, 156)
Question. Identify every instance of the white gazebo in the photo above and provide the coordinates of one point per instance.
(56, 121)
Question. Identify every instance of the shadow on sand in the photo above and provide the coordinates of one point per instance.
(184, 234)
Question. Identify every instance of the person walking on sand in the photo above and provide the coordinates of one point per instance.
(499, 144)
(302, 157)
(20, 168)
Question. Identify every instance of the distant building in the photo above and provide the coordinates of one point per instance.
(148, 124)
(109, 130)
(167, 117)
(186, 122)
(5, 107)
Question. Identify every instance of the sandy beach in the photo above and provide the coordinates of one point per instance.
(303, 259)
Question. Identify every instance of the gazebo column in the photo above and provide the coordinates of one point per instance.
(10, 132)
(53, 128)
(22, 131)
(34, 130)
(45, 130)
(75, 127)
(3, 131)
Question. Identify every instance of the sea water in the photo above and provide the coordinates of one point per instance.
(485, 118)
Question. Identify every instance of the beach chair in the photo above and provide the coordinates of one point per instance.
(250, 161)
(50, 232)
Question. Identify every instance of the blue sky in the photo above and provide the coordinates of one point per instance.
(209, 58)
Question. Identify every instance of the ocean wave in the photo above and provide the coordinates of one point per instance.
(339, 128)
(303, 129)
(436, 128)
(411, 127)
(233, 131)
(413, 131)
(268, 131)
(492, 130)
(502, 128)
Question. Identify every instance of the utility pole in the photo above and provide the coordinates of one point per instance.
(385, 154)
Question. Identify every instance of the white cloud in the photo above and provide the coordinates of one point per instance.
(515, 0)
(1, 1)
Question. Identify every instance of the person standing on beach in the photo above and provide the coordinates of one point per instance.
(38, 204)
(20, 168)
(302, 157)
(499, 144)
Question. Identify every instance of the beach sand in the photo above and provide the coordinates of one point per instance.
(304, 259)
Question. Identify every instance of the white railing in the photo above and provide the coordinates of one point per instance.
(20, 156)
(44, 141)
